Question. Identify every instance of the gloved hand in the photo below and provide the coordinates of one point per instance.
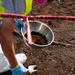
(0, 22)
(20, 24)
(18, 70)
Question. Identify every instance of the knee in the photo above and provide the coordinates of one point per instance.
(4, 36)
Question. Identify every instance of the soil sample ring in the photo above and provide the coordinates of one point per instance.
(42, 35)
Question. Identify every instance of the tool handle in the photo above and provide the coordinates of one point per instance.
(29, 37)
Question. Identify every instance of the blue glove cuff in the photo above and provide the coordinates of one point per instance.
(18, 70)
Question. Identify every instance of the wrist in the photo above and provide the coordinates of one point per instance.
(18, 70)
(14, 67)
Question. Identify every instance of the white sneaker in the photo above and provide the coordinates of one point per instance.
(4, 64)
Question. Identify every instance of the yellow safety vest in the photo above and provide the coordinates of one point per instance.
(28, 7)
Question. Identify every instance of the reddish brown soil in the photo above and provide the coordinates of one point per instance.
(54, 59)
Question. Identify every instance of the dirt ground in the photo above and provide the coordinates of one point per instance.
(58, 58)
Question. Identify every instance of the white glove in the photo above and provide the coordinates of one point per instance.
(31, 69)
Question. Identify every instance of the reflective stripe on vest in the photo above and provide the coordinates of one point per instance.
(2, 9)
(28, 7)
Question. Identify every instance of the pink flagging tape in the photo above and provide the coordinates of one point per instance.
(9, 15)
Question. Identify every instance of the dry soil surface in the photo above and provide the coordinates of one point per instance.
(59, 57)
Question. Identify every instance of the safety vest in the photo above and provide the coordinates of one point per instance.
(27, 10)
